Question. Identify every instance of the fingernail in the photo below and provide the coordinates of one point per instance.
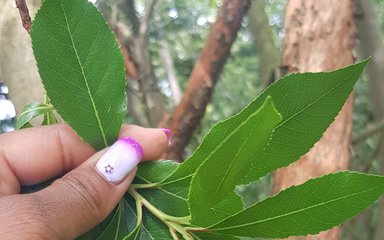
(120, 159)
(169, 135)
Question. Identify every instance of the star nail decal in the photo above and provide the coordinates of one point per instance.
(109, 169)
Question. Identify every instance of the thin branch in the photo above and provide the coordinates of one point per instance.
(128, 7)
(24, 14)
(169, 66)
(167, 60)
(147, 14)
(370, 130)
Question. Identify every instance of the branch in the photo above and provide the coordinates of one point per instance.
(167, 63)
(144, 22)
(128, 7)
(167, 60)
(140, 55)
(370, 130)
(24, 14)
(205, 74)
(130, 65)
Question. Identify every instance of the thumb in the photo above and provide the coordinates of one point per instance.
(85, 196)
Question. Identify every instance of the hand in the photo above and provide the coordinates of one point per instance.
(84, 196)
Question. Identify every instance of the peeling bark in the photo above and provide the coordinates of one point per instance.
(24, 14)
(320, 36)
(205, 73)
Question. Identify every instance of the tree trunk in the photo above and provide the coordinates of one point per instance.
(205, 73)
(264, 42)
(17, 63)
(319, 36)
(371, 44)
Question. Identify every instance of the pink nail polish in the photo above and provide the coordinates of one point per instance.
(120, 159)
(169, 135)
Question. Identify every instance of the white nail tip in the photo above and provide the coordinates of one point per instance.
(120, 159)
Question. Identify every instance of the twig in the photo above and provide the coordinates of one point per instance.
(24, 14)
(370, 130)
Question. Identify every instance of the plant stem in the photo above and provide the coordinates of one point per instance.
(145, 185)
(139, 212)
(175, 224)
(173, 234)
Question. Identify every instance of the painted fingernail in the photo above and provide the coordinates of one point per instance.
(120, 159)
(169, 135)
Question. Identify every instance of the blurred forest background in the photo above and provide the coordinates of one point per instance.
(192, 63)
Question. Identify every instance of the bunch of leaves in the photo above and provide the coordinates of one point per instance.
(82, 70)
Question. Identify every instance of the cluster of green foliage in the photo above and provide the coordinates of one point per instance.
(83, 73)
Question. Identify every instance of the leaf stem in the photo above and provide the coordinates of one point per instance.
(173, 234)
(175, 224)
(139, 211)
(145, 185)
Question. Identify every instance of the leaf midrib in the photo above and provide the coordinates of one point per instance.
(164, 182)
(85, 78)
(45, 107)
(261, 112)
(315, 101)
(277, 127)
(294, 212)
(162, 189)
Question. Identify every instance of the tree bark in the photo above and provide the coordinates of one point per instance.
(264, 42)
(17, 63)
(371, 44)
(319, 36)
(205, 73)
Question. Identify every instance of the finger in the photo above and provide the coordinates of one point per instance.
(155, 141)
(34, 155)
(78, 201)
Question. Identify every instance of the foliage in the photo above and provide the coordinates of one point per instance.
(82, 71)
(76, 53)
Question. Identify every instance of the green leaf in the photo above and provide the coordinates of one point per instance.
(49, 118)
(308, 103)
(211, 236)
(229, 206)
(317, 205)
(99, 229)
(219, 173)
(151, 227)
(31, 111)
(162, 195)
(123, 222)
(177, 192)
(81, 67)
(155, 171)
(135, 234)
